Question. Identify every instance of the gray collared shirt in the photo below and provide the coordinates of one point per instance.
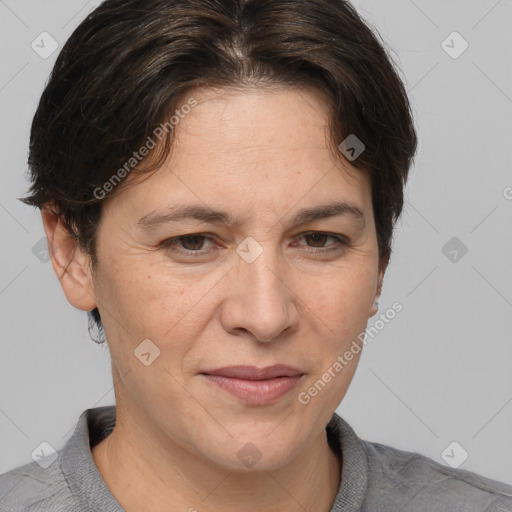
(375, 478)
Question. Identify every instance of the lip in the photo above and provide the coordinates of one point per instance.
(255, 386)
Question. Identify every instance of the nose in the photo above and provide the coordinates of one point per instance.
(259, 300)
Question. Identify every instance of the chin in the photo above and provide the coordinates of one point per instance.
(254, 452)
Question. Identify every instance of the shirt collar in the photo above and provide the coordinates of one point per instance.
(355, 467)
(78, 466)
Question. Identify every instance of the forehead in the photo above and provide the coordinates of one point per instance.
(234, 121)
(252, 148)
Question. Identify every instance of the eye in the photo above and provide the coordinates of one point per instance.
(187, 244)
(318, 239)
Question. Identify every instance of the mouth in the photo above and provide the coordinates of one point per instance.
(255, 386)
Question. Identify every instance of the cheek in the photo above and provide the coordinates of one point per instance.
(339, 308)
(341, 300)
(164, 306)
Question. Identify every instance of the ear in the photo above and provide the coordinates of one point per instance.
(69, 262)
(374, 308)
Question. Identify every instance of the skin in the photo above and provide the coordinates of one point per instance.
(261, 156)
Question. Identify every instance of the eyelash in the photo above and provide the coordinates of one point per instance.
(170, 244)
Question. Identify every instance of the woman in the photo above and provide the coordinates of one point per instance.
(219, 181)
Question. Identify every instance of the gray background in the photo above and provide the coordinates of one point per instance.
(439, 372)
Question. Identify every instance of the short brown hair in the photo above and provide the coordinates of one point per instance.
(130, 62)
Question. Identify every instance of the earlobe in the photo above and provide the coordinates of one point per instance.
(374, 308)
(375, 305)
(69, 262)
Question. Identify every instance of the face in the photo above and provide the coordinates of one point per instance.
(278, 278)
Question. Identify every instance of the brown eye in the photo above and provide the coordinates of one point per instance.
(317, 239)
(192, 242)
(188, 245)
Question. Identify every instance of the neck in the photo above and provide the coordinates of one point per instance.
(145, 470)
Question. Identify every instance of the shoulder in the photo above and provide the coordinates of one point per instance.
(31, 488)
(426, 485)
(381, 478)
(64, 480)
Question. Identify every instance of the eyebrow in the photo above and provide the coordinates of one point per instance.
(211, 216)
